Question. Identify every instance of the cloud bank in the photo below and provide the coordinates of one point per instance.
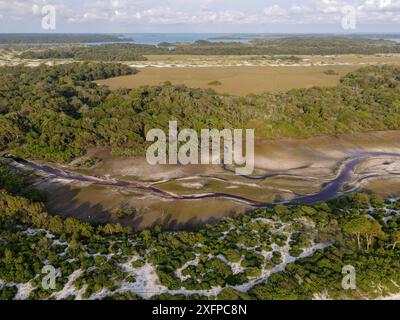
(200, 15)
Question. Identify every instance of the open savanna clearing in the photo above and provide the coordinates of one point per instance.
(235, 80)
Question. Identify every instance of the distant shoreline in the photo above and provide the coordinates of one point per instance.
(156, 38)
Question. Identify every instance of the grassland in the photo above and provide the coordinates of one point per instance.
(238, 74)
(241, 75)
(234, 80)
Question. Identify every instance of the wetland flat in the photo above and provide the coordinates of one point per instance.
(181, 196)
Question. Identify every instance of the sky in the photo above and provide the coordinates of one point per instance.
(200, 16)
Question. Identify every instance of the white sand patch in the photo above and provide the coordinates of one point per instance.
(251, 185)
(391, 297)
(286, 258)
(235, 266)
(24, 290)
(194, 262)
(192, 185)
(69, 288)
(30, 231)
(322, 296)
(147, 283)
(233, 63)
(32, 64)
(100, 295)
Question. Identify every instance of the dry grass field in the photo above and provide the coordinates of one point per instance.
(235, 80)
(241, 75)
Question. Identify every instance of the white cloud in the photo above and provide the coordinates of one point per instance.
(330, 6)
(300, 9)
(36, 9)
(274, 11)
(18, 8)
(203, 12)
(380, 6)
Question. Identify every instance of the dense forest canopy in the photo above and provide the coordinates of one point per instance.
(46, 105)
(290, 46)
(328, 45)
(108, 52)
(56, 113)
(37, 38)
(281, 46)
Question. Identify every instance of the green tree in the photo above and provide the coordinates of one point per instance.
(363, 226)
(357, 227)
(395, 236)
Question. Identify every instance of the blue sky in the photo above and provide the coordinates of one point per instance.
(224, 16)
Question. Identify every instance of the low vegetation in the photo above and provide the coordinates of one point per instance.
(331, 72)
(215, 83)
(277, 253)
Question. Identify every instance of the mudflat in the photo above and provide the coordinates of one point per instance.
(286, 170)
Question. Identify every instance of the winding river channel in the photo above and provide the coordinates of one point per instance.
(329, 191)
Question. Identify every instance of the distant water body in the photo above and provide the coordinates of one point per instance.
(156, 38)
